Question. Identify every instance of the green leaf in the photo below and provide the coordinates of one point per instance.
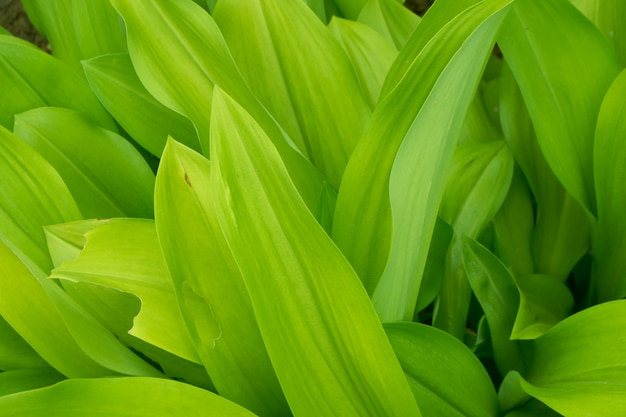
(608, 16)
(48, 83)
(391, 19)
(66, 240)
(544, 301)
(105, 173)
(542, 41)
(114, 80)
(19, 380)
(562, 230)
(324, 209)
(77, 29)
(446, 378)
(498, 296)
(609, 263)
(328, 339)
(579, 366)
(3, 31)
(137, 397)
(125, 254)
(370, 53)
(392, 235)
(15, 353)
(190, 59)
(301, 74)
(209, 287)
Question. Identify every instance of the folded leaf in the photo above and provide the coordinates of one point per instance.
(115, 82)
(66, 240)
(209, 287)
(19, 380)
(389, 18)
(49, 83)
(190, 59)
(299, 72)
(579, 366)
(137, 397)
(77, 29)
(328, 338)
(369, 52)
(446, 378)
(105, 173)
(609, 262)
(538, 43)
(125, 254)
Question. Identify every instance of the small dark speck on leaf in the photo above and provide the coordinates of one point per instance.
(187, 180)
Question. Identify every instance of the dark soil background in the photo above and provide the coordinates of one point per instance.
(14, 19)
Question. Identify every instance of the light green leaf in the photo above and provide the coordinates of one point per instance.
(324, 209)
(136, 397)
(66, 240)
(579, 366)
(476, 184)
(349, 8)
(383, 164)
(301, 74)
(562, 230)
(609, 262)
(125, 254)
(104, 172)
(48, 83)
(15, 353)
(544, 301)
(389, 18)
(608, 16)
(19, 380)
(78, 29)
(328, 339)
(181, 69)
(369, 52)
(542, 41)
(209, 287)
(498, 296)
(478, 126)
(446, 378)
(114, 80)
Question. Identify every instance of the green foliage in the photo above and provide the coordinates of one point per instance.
(314, 208)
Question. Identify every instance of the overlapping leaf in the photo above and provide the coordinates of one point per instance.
(15, 353)
(209, 287)
(542, 41)
(78, 29)
(19, 380)
(389, 18)
(113, 79)
(319, 327)
(105, 173)
(138, 397)
(49, 83)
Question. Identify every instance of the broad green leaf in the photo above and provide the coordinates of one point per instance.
(26, 86)
(104, 172)
(370, 53)
(32, 194)
(513, 225)
(299, 72)
(15, 353)
(78, 29)
(544, 301)
(477, 126)
(391, 19)
(328, 339)
(125, 254)
(609, 262)
(392, 235)
(562, 230)
(579, 366)
(115, 82)
(446, 378)
(66, 240)
(476, 184)
(608, 16)
(136, 397)
(498, 296)
(209, 287)
(542, 41)
(190, 59)
(19, 380)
